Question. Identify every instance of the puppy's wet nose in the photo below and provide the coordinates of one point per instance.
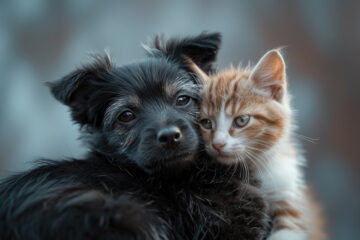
(218, 146)
(169, 136)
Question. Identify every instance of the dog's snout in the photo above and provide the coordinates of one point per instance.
(169, 136)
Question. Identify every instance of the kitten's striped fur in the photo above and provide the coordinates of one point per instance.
(246, 118)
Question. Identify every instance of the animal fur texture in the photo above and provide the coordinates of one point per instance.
(146, 175)
(246, 119)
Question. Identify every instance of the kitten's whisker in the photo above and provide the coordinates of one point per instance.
(256, 150)
(257, 160)
(261, 161)
(305, 138)
(254, 163)
(261, 143)
(246, 175)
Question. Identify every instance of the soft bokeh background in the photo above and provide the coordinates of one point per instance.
(43, 40)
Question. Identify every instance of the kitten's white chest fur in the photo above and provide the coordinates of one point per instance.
(281, 177)
(282, 181)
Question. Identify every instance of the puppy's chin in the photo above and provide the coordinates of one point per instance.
(171, 165)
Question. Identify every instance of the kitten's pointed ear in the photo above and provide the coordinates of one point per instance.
(201, 49)
(269, 75)
(78, 88)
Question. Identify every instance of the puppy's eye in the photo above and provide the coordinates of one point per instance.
(182, 100)
(241, 121)
(126, 116)
(206, 123)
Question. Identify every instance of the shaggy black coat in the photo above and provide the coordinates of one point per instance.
(140, 179)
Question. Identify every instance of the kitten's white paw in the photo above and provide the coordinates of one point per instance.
(287, 234)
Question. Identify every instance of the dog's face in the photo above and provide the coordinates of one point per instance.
(145, 112)
(151, 114)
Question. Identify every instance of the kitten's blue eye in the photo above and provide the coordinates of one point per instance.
(182, 100)
(206, 123)
(241, 121)
(126, 116)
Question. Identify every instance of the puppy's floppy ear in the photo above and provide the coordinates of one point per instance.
(201, 49)
(79, 88)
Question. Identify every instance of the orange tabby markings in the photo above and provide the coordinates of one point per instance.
(262, 141)
(286, 210)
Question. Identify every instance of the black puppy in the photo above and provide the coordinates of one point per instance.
(145, 176)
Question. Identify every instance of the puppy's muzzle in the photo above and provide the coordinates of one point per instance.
(169, 137)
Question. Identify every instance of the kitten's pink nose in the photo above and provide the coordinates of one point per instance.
(218, 146)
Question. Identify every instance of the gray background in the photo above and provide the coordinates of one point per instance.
(43, 40)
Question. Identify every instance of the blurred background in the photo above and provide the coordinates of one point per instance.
(44, 40)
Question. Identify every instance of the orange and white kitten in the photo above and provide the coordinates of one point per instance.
(246, 118)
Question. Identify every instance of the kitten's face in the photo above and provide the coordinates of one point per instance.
(241, 118)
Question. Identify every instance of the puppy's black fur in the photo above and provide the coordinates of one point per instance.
(145, 176)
